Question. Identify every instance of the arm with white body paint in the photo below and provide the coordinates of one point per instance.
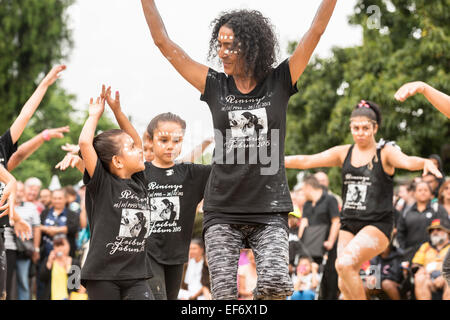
(333, 157)
(195, 73)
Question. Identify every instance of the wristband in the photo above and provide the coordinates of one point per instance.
(37, 250)
(45, 135)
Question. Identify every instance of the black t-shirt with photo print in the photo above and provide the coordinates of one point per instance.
(174, 195)
(248, 173)
(119, 221)
(7, 148)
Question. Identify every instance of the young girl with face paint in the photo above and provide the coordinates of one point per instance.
(175, 190)
(247, 198)
(116, 267)
(367, 217)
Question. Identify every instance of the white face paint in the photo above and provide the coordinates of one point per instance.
(356, 126)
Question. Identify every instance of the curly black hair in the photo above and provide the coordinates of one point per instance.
(254, 35)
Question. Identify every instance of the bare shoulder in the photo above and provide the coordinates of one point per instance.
(342, 151)
(386, 153)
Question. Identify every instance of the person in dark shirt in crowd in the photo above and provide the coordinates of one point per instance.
(438, 163)
(413, 223)
(58, 219)
(321, 208)
(446, 268)
(444, 196)
(296, 247)
(390, 271)
(405, 196)
(72, 199)
(45, 197)
(324, 181)
(433, 181)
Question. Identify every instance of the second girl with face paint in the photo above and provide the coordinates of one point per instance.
(175, 190)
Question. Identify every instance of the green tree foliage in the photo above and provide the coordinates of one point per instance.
(34, 37)
(411, 42)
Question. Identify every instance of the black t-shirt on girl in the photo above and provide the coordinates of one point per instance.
(7, 148)
(119, 221)
(367, 191)
(248, 174)
(174, 195)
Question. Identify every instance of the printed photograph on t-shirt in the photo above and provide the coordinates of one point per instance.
(165, 208)
(356, 196)
(134, 223)
(246, 123)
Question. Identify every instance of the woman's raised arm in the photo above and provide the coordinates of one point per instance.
(305, 48)
(195, 73)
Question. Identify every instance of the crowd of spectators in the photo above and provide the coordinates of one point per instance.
(410, 268)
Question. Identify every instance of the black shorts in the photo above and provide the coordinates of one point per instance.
(385, 225)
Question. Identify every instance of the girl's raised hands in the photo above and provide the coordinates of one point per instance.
(53, 75)
(114, 104)
(96, 108)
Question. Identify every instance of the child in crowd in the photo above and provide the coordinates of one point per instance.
(306, 281)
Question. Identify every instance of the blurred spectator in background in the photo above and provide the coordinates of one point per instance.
(444, 197)
(247, 277)
(56, 270)
(428, 279)
(32, 188)
(413, 223)
(391, 274)
(298, 199)
(306, 280)
(11, 250)
(191, 283)
(434, 185)
(296, 247)
(72, 199)
(446, 268)
(45, 198)
(321, 221)
(438, 163)
(405, 197)
(57, 219)
(20, 253)
(322, 177)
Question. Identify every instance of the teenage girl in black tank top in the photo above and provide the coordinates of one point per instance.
(367, 214)
(367, 190)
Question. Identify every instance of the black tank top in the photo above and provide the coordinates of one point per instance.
(367, 191)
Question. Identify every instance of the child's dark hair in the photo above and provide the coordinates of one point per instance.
(106, 146)
(369, 110)
(198, 242)
(164, 117)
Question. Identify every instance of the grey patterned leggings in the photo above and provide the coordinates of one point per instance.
(271, 249)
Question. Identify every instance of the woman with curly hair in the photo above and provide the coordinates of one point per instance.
(246, 200)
